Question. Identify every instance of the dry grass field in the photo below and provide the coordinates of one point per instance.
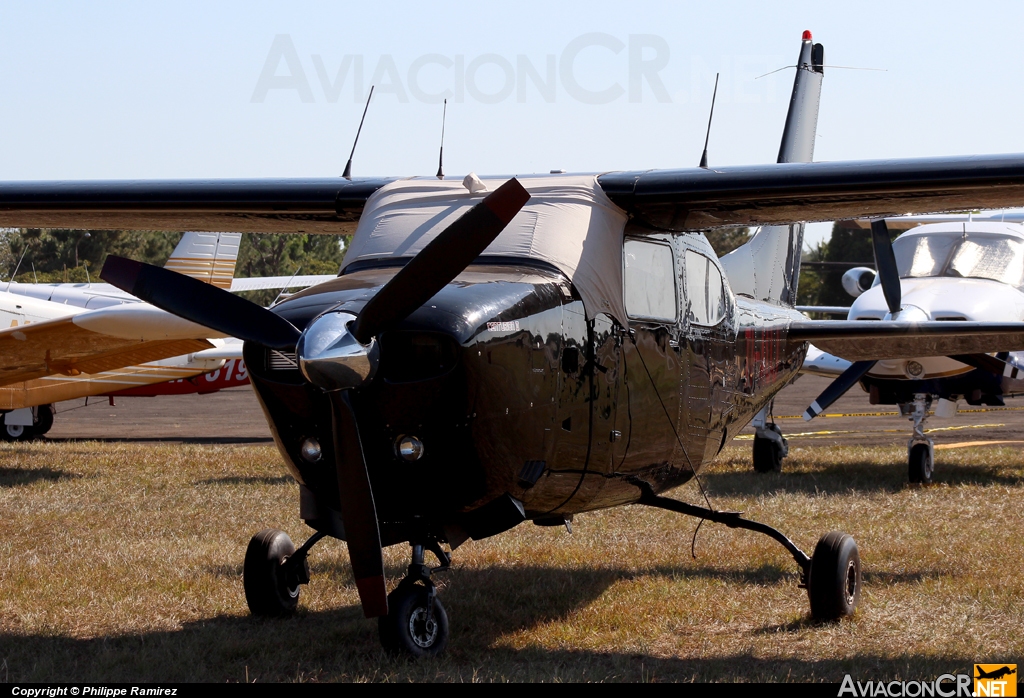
(122, 562)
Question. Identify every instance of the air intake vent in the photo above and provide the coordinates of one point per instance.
(283, 361)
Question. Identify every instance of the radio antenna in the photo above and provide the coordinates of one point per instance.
(704, 156)
(440, 157)
(347, 174)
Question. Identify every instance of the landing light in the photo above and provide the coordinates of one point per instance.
(311, 450)
(914, 369)
(408, 448)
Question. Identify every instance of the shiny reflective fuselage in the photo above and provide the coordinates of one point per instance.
(518, 396)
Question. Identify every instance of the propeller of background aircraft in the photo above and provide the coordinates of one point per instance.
(338, 351)
(889, 276)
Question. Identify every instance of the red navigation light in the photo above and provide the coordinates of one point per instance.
(807, 34)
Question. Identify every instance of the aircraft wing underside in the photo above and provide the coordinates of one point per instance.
(96, 341)
(857, 340)
(682, 199)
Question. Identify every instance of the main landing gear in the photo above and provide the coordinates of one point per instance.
(770, 446)
(26, 423)
(416, 623)
(920, 448)
(831, 576)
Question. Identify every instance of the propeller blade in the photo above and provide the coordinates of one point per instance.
(200, 302)
(838, 388)
(444, 258)
(885, 262)
(358, 512)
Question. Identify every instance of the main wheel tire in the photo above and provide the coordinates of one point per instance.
(406, 629)
(833, 583)
(767, 456)
(920, 465)
(44, 420)
(268, 591)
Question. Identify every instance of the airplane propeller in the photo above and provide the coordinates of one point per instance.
(338, 350)
(889, 276)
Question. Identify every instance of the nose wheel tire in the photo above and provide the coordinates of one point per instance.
(268, 589)
(920, 464)
(416, 624)
(833, 583)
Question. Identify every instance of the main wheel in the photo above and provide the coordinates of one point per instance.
(767, 455)
(833, 584)
(920, 465)
(408, 628)
(44, 420)
(15, 432)
(268, 590)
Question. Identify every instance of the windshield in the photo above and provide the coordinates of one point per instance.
(975, 255)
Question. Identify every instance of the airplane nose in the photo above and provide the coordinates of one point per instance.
(331, 358)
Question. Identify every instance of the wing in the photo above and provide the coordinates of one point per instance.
(857, 340)
(327, 205)
(97, 340)
(697, 199)
(259, 283)
(684, 199)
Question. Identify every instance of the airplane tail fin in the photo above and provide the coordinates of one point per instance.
(209, 257)
(767, 267)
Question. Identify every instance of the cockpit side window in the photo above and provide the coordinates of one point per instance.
(705, 292)
(648, 277)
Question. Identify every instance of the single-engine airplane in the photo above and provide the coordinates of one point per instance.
(498, 350)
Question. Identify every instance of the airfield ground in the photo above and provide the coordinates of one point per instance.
(123, 532)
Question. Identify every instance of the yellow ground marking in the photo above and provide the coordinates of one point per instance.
(967, 444)
(818, 434)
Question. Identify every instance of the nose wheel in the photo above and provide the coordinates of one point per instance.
(416, 624)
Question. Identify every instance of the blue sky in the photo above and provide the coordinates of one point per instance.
(120, 90)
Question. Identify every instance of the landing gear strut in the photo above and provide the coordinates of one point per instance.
(416, 623)
(770, 447)
(832, 576)
(920, 448)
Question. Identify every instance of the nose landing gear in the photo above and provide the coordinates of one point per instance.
(416, 623)
(920, 448)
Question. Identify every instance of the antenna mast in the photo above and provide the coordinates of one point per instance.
(704, 156)
(347, 174)
(440, 157)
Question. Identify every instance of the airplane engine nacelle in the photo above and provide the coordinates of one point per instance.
(858, 280)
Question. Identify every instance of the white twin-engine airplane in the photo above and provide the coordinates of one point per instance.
(966, 270)
(65, 341)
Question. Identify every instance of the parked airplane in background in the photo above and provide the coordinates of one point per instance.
(31, 311)
(27, 408)
(961, 271)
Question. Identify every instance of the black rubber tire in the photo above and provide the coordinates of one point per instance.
(403, 630)
(44, 420)
(834, 581)
(267, 591)
(920, 466)
(767, 456)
